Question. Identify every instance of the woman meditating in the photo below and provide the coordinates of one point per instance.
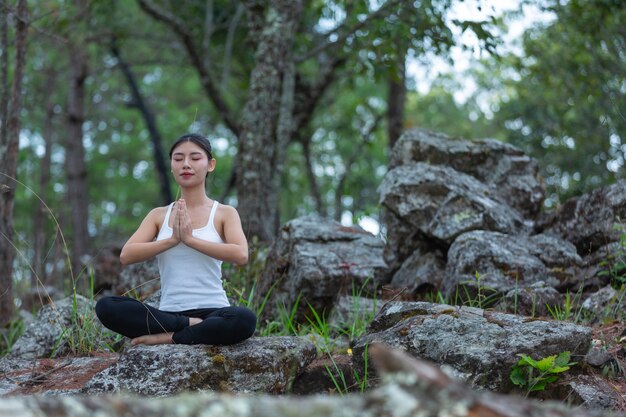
(190, 238)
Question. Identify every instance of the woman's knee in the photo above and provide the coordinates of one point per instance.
(104, 308)
(247, 321)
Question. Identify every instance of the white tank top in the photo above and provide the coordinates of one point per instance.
(190, 279)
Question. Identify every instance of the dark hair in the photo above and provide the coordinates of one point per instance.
(199, 140)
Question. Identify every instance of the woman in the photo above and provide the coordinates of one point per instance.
(190, 238)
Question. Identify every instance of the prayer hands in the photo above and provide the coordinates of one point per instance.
(182, 222)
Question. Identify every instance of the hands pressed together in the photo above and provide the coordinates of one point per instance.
(181, 226)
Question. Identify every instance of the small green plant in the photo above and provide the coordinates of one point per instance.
(10, 335)
(481, 296)
(571, 308)
(339, 381)
(535, 375)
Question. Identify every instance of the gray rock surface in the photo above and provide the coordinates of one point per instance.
(443, 203)
(423, 271)
(411, 388)
(59, 327)
(268, 364)
(139, 280)
(319, 260)
(479, 345)
(499, 263)
(507, 171)
(591, 220)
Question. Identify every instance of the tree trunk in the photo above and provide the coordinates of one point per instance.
(75, 158)
(9, 147)
(262, 146)
(38, 276)
(396, 100)
(148, 117)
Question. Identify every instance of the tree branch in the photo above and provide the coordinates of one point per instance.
(206, 79)
(350, 31)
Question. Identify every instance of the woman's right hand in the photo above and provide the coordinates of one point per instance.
(176, 222)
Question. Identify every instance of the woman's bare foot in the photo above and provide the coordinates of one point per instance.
(194, 320)
(153, 339)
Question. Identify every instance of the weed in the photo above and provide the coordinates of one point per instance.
(343, 387)
(10, 335)
(535, 375)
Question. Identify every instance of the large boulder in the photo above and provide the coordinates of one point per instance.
(443, 203)
(506, 170)
(591, 220)
(479, 346)
(63, 327)
(497, 263)
(139, 280)
(482, 185)
(268, 364)
(319, 260)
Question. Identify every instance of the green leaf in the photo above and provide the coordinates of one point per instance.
(546, 363)
(518, 376)
(563, 359)
(527, 360)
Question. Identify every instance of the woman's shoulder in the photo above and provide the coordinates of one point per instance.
(226, 210)
(157, 214)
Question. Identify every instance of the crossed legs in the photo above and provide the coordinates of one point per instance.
(148, 325)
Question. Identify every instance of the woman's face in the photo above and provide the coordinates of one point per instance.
(190, 164)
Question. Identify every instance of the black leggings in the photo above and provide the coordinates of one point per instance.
(220, 326)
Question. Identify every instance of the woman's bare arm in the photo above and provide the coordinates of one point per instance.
(141, 246)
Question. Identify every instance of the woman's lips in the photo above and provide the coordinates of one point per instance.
(186, 175)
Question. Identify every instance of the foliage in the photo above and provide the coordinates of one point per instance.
(535, 375)
(10, 334)
(562, 100)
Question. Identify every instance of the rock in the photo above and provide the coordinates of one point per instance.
(316, 377)
(483, 345)
(532, 300)
(268, 364)
(64, 376)
(591, 220)
(598, 303)
(318, 260)
(592, 392)
(410, 388)
(60, 328)
(423, 271)
(350, 310)
(497, 263)
(443, 203)
(506, 170)
(602, 265)
(106, 268)
(139, 280)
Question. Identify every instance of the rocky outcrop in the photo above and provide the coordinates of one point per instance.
(61, 328)
(411, 388)
(318, 260)
(268, 364)
(591, 220)
(479, 346)
(499, 263)
(509, 174)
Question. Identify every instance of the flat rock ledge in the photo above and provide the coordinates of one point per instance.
(410, 388)
(478, 346)
(259, 364)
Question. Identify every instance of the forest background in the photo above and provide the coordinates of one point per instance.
(302, 101)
